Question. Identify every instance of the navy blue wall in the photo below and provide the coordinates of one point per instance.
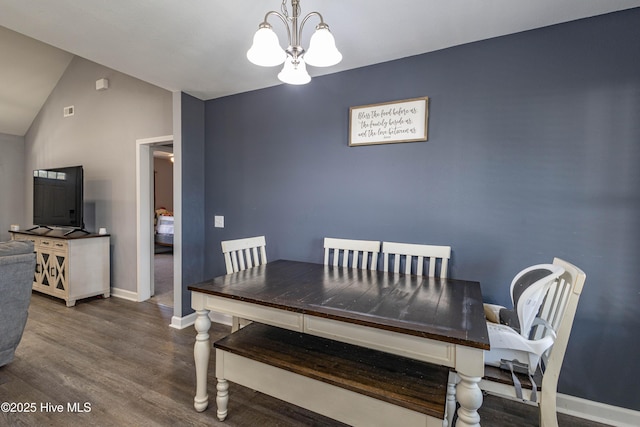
(533, 152)
(193, 181)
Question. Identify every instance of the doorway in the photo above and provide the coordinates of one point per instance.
(163, 225)
(145, 214)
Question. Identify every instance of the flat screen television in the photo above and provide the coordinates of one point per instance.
(58, 197)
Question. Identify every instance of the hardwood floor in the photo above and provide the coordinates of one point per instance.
(163, 279)
(124, 362)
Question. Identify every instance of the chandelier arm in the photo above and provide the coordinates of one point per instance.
(309, 15)
(282, 18)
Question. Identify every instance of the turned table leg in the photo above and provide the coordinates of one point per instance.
(201, 353)
(222, 398)
(469, 371)
(469, 395)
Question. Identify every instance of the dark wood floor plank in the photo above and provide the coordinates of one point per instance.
(124, 359)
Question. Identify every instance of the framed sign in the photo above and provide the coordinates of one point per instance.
(389, 122)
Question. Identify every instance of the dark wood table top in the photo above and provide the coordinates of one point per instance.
(442, 309)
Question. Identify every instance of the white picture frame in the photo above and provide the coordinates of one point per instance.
(389, 122)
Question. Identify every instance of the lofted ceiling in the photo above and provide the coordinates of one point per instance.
(199, 46)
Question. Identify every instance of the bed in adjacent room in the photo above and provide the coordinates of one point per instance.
(163, 229)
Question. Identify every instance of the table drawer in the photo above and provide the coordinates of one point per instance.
(33, 239)
(53, 244)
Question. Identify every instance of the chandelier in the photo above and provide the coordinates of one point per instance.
(266, 50)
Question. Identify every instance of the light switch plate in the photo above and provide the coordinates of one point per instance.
(218, 221)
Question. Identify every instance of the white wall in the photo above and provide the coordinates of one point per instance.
(12, 190)
(101, 136)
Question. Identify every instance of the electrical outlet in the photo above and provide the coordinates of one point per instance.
(218, 221)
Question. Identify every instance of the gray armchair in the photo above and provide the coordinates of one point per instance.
(17, 267)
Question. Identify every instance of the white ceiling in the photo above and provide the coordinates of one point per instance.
(199, 46)
(29, 71)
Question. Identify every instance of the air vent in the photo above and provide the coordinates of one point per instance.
(68, 111)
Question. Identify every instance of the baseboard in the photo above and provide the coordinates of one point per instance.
(190, 319)
(124, 294)
(183, 322)
(596, 411)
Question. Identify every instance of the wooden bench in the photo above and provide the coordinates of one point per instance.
(351, 384)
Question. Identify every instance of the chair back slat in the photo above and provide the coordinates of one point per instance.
(263, 254)
(247, 257)
(241, 254)
(362, 254)
(444, 266)
(553, 312)
(560, 312)
(228, 262)
(404, 256)
(553, 308)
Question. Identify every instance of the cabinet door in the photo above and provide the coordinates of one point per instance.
(36, 243)
(53, 272)
(39, 274)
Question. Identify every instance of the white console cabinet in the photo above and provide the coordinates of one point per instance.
(70, 267)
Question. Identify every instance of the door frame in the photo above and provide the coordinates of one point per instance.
(144, 222)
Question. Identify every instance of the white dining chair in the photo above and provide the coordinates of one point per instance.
(361, 254)
(552, 324)
(239, 255)
(410, 258)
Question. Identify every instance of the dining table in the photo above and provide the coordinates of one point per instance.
(436, 320)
